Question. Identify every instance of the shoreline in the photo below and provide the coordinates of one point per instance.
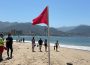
(84, 48)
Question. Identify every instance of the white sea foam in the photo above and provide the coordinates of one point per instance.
(74, 47)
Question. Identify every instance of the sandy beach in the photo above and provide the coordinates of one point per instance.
(23, 55)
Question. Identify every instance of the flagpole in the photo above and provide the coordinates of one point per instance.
(48, 46)
(48, 40)
(44, 18)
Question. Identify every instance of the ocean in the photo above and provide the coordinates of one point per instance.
(82, 43)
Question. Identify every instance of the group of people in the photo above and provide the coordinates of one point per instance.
(21, 40)
(8, 46)
(40, 43)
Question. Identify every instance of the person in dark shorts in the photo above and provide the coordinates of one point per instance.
(33, 44)
(9, 42)
(56, 45)
(45, 44)
(40, 42)
(23, 40)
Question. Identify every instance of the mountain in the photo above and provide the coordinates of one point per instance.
(81, 30)
(28, 29)
(65, 29)
(4, 24)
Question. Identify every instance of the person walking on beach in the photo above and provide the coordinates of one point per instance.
(45, 44)
(33, 44)
(40, 42)
(1, 46)
(9, 45)
(56, 45)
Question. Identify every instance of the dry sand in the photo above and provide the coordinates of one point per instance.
(23, 55)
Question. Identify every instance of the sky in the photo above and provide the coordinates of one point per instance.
(61, 12)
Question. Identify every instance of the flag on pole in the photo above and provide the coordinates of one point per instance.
(42, 18)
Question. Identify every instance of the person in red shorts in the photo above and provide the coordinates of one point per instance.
(1, 46)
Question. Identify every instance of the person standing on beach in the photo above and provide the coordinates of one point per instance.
(40, 42)
(45, 44)
(1, 46)
(56, 45)
(9, 43)
(23, 40)
(33, 44)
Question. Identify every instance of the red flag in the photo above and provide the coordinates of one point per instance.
(42, 18)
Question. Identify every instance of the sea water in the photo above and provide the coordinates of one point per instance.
(68, 42)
